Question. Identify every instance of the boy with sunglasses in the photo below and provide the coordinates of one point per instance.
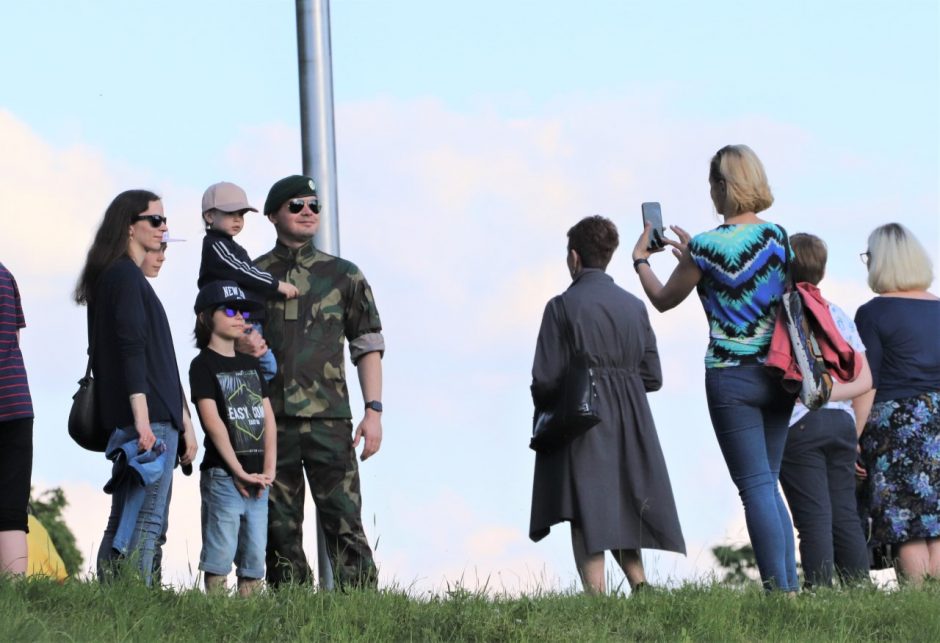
(231, 398)
(224, 206)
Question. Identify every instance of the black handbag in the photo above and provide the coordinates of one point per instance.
(575, 408)
(85, 426)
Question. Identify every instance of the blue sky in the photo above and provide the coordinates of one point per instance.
(469, 138)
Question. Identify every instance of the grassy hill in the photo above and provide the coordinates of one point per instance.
(41, 610)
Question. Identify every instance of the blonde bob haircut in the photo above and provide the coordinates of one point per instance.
(746, 188)
(897, 261)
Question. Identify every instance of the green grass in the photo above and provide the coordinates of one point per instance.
(84, 611)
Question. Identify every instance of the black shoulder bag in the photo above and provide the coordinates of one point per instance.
(575, 407)
(85, 426)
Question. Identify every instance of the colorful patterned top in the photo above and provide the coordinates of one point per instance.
(743, 277)
(15, 402)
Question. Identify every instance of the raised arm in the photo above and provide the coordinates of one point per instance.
(683, 279)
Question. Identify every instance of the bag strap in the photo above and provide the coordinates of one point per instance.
(569, 331)
(788, 275)
(91, 343)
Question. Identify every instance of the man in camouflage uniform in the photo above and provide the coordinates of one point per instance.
(309, 395)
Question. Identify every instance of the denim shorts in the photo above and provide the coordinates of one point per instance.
(234, 528)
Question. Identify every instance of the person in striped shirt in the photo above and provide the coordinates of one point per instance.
(16, 431)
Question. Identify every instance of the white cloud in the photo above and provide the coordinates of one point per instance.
(51, 197)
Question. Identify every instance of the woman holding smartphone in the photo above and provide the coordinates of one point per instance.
(739, 272)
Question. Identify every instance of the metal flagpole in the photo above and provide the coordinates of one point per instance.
(315, 66)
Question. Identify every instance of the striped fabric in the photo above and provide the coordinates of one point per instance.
(743, 278)
(15, 402)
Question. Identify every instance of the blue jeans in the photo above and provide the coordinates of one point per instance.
(234, 528)
(750, 413)
(150, 518)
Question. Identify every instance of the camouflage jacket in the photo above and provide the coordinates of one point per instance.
(307, 334)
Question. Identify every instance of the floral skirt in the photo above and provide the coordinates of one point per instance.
(901, 452)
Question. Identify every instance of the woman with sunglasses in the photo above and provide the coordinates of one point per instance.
(739, 271)
(138, 391)
(900, 441)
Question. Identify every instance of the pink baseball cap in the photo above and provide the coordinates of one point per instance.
(226, 197)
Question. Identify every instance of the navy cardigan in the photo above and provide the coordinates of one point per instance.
(133, 349)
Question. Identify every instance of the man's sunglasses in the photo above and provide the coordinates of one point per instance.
(231, 312)
(295, 206)
(156, 220)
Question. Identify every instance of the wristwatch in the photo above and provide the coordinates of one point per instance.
(375, 405)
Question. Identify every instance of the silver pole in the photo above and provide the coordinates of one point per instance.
(316, 115)
(315, 65)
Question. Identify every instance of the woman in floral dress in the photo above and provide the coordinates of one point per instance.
(900, 441)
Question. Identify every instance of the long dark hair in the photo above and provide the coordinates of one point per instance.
(110, 242)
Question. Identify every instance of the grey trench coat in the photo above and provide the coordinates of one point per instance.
(612, 481)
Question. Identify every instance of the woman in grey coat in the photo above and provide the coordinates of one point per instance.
(611, 483)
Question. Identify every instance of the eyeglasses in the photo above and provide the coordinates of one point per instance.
(296, 206)
(865, 257)
(156, 220)
(231, 312)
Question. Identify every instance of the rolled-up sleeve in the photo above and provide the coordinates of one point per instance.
(368, 343)
(362, 324)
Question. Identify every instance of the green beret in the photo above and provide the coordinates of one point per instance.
(288, 188)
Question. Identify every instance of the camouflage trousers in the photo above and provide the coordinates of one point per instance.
(323, 450)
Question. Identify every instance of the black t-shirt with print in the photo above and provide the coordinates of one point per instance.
(238, 388)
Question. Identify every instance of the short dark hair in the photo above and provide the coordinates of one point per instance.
(204, 327)
(809, 258)
(594, 238)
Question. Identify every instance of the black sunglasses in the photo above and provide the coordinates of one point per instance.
(231, 312)
(156, 220)
(295, 206)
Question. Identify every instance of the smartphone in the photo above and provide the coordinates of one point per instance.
(654, 215)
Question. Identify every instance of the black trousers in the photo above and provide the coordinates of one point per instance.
(818, 479)
(16, 470)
